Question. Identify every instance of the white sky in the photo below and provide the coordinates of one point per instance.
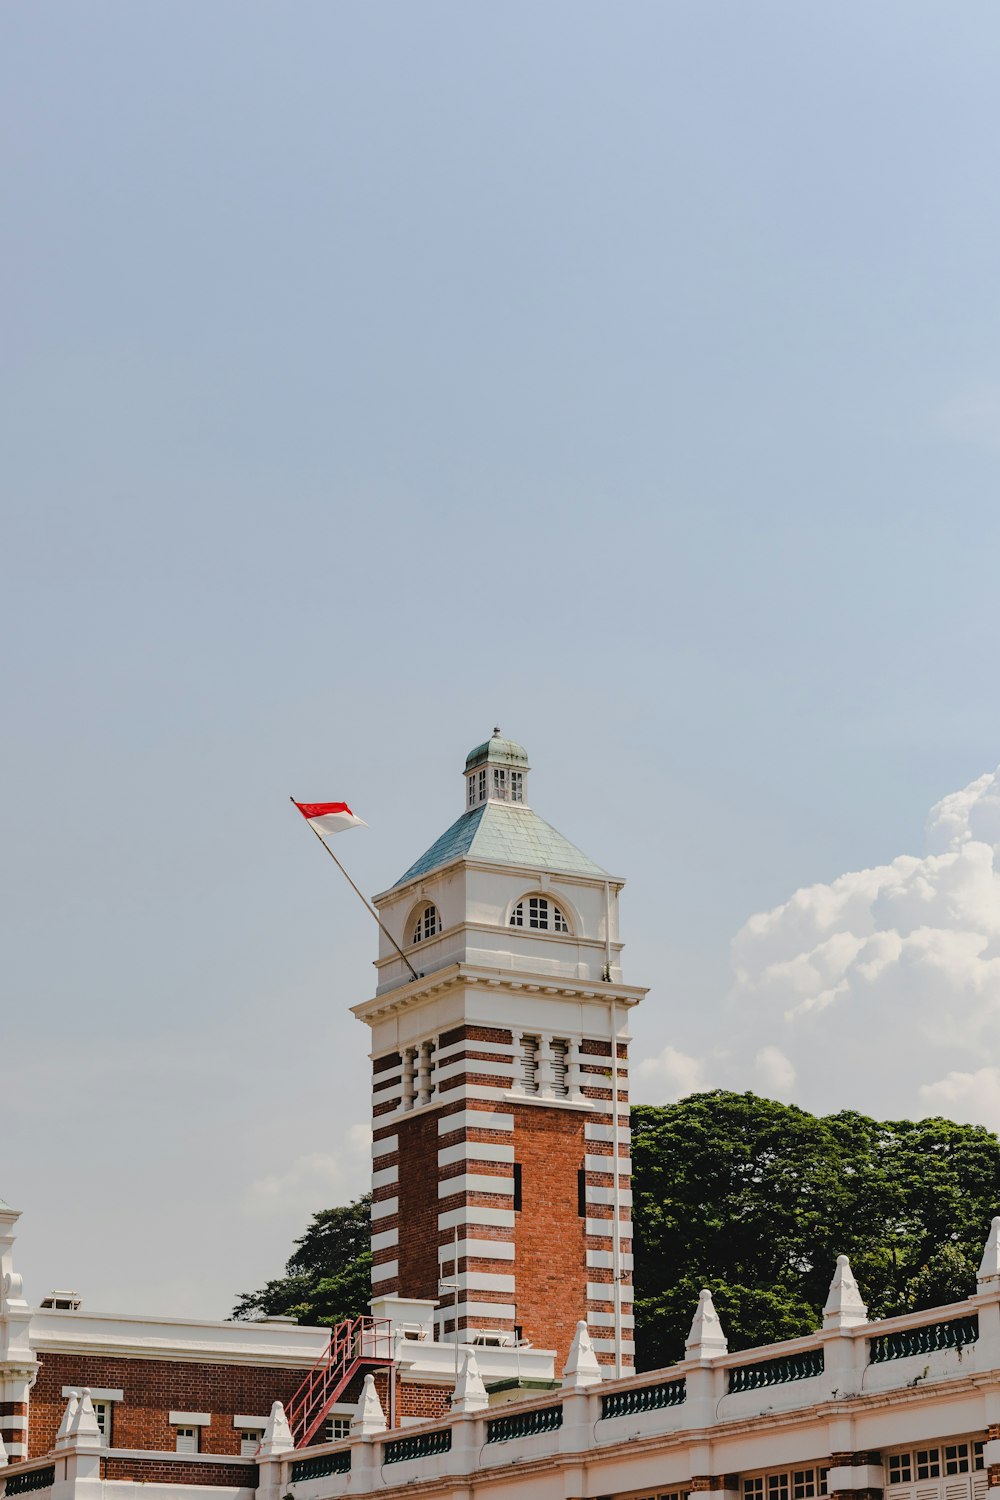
(627, 375)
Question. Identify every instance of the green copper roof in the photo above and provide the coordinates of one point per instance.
(504, 835)
(497, 751)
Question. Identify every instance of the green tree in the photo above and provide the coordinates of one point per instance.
(756, 1200)
(328, 1277)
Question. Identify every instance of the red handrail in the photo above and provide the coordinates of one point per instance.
(353, 1343)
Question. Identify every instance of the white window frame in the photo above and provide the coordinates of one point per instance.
(187, 1439)
(428, 923)
(538, 913)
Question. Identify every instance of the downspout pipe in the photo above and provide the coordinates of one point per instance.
(616, 1226)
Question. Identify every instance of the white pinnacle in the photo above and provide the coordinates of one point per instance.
(844, 1306)
(706, 1339)
(83, 1429)
(989, 1269)
(369, 1418)
(277, 1435)
(67, 1421)
(470, 1393)
(582, 1367)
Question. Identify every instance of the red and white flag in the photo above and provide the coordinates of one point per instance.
(329, 817)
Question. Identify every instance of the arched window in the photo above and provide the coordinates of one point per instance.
(539, 912)
(426, 923)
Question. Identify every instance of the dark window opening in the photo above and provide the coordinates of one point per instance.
(517, 1187)
(581, 1193)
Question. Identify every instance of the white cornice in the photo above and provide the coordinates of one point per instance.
(521, 981)
(493, 867)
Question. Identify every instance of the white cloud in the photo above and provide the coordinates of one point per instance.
(971, 1097)
(316, 1180)
(670, 1075)
(885, 976)
(775, 1071)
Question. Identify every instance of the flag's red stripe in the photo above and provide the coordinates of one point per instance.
(319, 809)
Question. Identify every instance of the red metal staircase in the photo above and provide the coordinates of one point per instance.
(357, 1343)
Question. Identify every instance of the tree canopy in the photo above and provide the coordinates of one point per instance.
(328, 1277)
(754, 1199)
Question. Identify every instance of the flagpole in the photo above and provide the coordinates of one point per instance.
(361, 897)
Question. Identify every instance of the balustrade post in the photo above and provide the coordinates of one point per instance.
(468, 1434)
(581, 1412)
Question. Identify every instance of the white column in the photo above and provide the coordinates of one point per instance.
(424, 1074)
(545, 1078)
(407, 1088)
(574, 1076)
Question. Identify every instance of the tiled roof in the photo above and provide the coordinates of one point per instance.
(504, 835)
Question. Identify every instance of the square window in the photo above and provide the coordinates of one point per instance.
(249, 1441)
(516, 786)
(900, 1468)
(803, 1484)
(753, 1489)
(186, 1439)
(956, 1458)
(978, 1462)
(928, 1461)
(821, 1478)
(777, 1487)
(337, 1428)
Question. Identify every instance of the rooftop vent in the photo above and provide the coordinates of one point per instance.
(63, 1301)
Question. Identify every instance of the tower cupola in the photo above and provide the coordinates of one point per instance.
(496, 771)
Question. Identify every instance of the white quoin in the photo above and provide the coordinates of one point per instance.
(582, 1367)
(369, 1418)
(67, 1421)
(989, 1269)
(277, 1435)
(470, 1393)
(3, 1453)
(83, 1429)
(706, 1339)
(844, 1306)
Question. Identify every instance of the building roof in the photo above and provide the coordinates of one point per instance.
(497, 751)
(504, 834)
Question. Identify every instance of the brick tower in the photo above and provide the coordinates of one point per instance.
(494, 1078)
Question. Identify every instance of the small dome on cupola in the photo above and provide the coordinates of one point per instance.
(497, 751)
(496, 771)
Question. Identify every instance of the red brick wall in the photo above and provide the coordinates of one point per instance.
(153, 1388)
(152, 1471)
(418, 1206)
(549, 1240)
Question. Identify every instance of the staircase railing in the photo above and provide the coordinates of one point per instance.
(355, 1343)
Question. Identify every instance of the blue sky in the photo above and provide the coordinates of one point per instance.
(626, 375)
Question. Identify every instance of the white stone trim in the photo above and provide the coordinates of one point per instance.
(604, 1291)
(387, 1272)
(260, 1422)
(190, 1419)
(497, 1218)
(384, 1239)
(385, 1209)
(474, 1119)
(606, 1196)
(607, 1346)
(504, 1312)
(602, 1228)
(607, 1319)
(479, 1091)
(385, 1177)
(474, 1150)
(605, 1260)
(491, 1067)
(483, 1281)
(477, 1250)
(592, 1131)
(96, 1394)
(475, 1182)
(607, 1164)
(388, 1146)
(16, 1450)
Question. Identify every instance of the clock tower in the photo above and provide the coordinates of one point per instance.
(500, 1079)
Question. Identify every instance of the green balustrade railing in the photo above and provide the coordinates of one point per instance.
(420, 1445)
(34, 1479)
(629, 1403)
(522, 1424)
(955, 1334)
(766, 1372)
(323, 1466)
